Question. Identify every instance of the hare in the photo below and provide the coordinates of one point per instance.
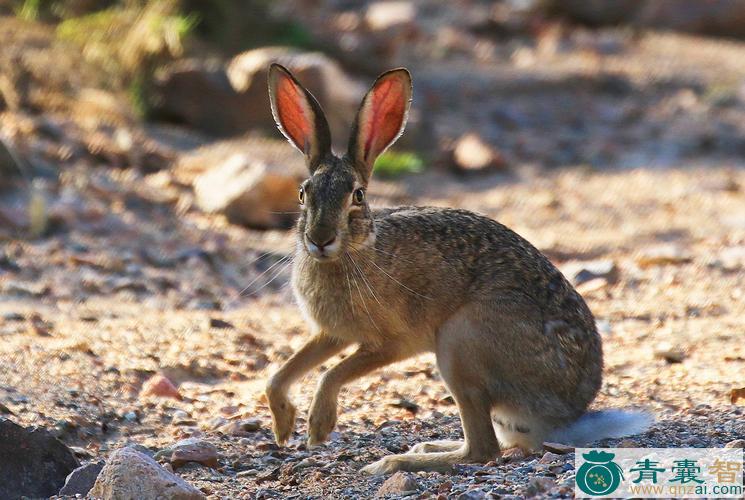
(516, 345)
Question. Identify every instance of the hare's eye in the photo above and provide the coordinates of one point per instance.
(358, 196)
(301, 195)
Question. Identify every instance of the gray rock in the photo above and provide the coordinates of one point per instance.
(398, 483)
(81, 480)
(471, 495)
(232, 99)
(250, 191)
(241, 427)
(33, 463)
(584, 271)
(539, 486)
(194, 450)
(129, 475)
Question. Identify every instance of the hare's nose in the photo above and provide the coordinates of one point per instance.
(329, 240)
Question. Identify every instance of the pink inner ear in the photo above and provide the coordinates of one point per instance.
(386, 115)
(293, 113)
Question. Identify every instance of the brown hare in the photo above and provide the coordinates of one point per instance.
(515, 343)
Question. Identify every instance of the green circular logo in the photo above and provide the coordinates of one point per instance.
(599, 475)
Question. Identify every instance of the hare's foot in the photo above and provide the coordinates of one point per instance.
(414, 462)
(314, 352)
(515, 454)
(283, 418)
(321, 418)
(435, 446)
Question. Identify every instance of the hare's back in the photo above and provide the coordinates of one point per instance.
(455, 234)
(486, 254)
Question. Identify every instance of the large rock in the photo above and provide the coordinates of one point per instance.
(232, 99)
(597, 12)
(253, 182)
(198, 93)
(81, 480)
(472, 153)
(131, 475)
(714, 17)
(33, 463)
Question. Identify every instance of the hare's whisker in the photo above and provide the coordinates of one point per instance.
(280, 261)
(276, 275)
(383, 252)
(371, 261)
(266, 254)
(364, 304)
(366, 282)
(349, 283)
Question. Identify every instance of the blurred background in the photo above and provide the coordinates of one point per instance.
(152, 117)
(147, 199)
(169, 96)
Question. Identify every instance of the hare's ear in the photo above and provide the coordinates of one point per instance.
(381, 118)
(298, 115)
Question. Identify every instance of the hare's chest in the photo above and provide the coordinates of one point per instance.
(329, 307)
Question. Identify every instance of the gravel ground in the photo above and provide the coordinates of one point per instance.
(87, 318)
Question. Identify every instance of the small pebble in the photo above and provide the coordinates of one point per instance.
(399, 483)
(158, 385)
(550, 457)
(670, 353)
(194, 450)
(539, 485)
(241, 427)
(561, 449)
(737, 443)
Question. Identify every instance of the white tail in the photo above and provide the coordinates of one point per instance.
(596, 425)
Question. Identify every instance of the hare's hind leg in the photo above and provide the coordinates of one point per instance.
(435, 446)
(480, 444)
(468, 382)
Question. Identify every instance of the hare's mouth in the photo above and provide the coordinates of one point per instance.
(323, 253)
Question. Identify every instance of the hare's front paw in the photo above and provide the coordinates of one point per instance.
(283, 418)
(321, 420)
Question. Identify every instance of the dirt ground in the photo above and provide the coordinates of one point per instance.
(114, 305)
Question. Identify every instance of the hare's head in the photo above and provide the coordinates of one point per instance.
(335, 217)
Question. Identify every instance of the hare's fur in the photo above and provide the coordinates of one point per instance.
(516, 345)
